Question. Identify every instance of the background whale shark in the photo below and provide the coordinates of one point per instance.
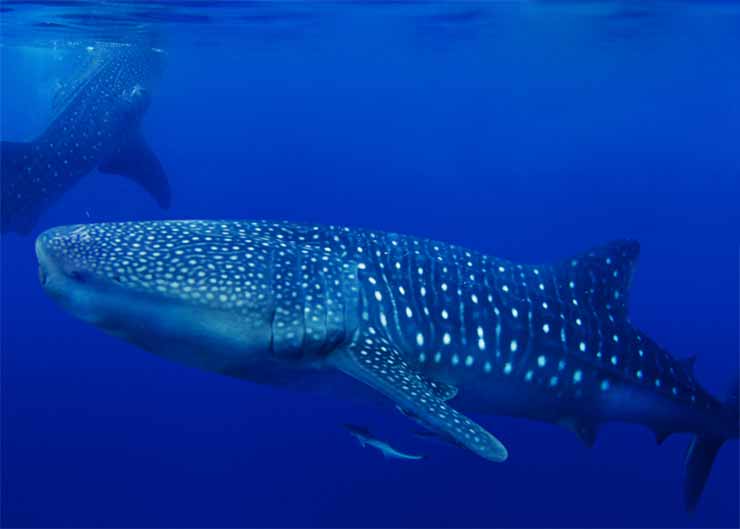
(440, 330)
(96, 124)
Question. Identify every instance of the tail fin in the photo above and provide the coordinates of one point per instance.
(701, 454)
(20, 201)
(134, 159)
(30, 184)
(699, 459)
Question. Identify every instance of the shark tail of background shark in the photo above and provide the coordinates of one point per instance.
(29, 185)
(702, 452)
(134, 159)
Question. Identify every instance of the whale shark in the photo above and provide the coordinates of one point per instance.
(366, 438)
(96, 124)
(438, 330)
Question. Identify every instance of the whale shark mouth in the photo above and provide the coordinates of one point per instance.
(75, 269)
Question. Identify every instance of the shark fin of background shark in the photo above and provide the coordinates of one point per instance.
(703, 450)
(603, 275)
(376, 363)
(21, 199)
(135, 160)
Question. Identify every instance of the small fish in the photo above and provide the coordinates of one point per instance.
(366, 438)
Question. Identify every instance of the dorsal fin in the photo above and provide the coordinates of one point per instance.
(603, 275)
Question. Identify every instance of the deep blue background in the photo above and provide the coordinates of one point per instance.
(529, 131)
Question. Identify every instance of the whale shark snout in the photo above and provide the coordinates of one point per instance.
(236, 299)
(141, 288)
(54, 252)
(72, 277)
(63, 270)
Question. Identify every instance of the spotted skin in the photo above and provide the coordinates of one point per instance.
(378, 364)
(437, 328)
(96, 125)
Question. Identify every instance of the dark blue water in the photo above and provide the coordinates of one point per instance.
(529, 130)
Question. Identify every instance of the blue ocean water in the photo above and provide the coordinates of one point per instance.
(526, 130)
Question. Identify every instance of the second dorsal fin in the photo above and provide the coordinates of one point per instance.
(602, 275)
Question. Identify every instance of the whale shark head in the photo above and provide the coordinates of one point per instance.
(226, 297)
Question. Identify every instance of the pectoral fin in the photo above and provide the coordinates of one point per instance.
(376, 363)
(443, 391)
(135, 160)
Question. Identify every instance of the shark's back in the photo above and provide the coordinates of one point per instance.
(104, 85)
(560, 333)
(550, 342)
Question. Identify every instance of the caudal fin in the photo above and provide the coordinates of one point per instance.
(701, 454)
(699, 459)
(135, 160)
(30, 183)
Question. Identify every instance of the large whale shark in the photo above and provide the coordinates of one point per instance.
(96, 124)
(439, 330)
